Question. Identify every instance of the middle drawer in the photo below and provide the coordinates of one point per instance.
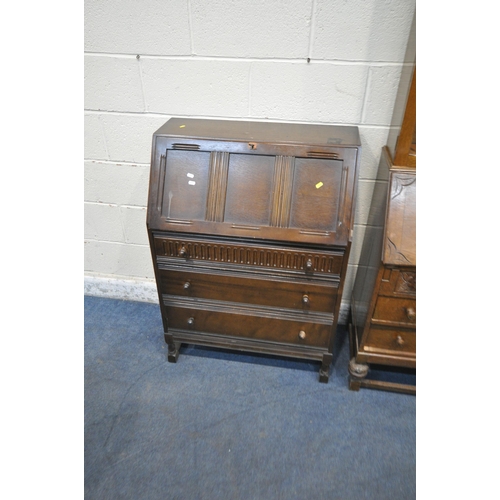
(395, 310)
(250, 290)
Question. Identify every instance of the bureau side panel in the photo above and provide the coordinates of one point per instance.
(365, 283)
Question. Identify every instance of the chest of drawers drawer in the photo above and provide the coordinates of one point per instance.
(240, 255)
(395, 310)
(390, 341)
(250, 322)
(259, 290)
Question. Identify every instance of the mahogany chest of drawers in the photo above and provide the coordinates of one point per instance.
(250, 227)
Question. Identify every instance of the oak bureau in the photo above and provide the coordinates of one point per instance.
(383, 319)
(250, 228)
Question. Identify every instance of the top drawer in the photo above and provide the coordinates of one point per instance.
(286, 259)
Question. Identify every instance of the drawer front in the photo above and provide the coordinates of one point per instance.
(399, 282)
(386, 341)
(221, 287)
(395, 310)
(255, 327)
(302, 261)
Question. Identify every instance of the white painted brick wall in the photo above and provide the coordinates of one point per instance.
(242, 59)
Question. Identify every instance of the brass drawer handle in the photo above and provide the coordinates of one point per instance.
(411, 314)
(305, 299)
(302, 334)
(400, 340)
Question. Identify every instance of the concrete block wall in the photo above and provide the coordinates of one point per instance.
(308, 61)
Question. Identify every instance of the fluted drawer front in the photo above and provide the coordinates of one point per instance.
(395, 310)
(387, 341)
(249, 326)
(305, 261)
(222, 287)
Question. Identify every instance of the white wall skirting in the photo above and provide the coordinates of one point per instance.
(113, 288)
(145, 291)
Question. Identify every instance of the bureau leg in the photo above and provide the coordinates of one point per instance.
(173, 349)
(357, 372)
(324, 371)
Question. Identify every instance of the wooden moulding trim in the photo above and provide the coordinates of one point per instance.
(238, 344)
(248, 309)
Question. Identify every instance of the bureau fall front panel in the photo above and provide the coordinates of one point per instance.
(282, 197)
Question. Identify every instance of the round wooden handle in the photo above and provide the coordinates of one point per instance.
(305, 299)
(302, 334)
(411, 313)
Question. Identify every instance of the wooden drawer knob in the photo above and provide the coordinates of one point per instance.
(305, 299)
(302, 334)
(187, 285)
(411, 314)
(400, 340)
(309, 265)
(183, 252)
(191, 321)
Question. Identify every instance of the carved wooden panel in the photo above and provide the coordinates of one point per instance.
(399, 281)
(243, 254)
(407, 282)
(400, 232)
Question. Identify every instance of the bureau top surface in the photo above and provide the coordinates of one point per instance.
(282, 133)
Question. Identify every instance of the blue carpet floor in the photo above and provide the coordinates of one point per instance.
(223, 425)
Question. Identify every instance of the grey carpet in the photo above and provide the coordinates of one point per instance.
(224, 425)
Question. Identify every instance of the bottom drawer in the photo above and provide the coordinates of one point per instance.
(385, 340)
(248, 326)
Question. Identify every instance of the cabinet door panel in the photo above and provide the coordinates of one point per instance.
(185, 185)
(249, 189)
(317, 188)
